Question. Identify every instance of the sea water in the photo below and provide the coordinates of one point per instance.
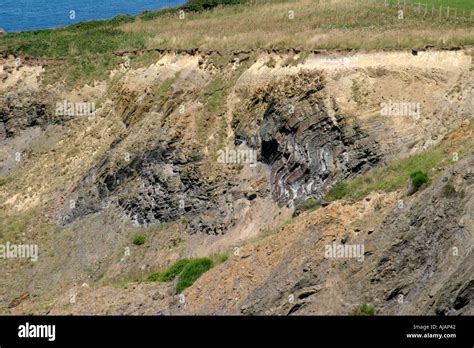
(19, 15)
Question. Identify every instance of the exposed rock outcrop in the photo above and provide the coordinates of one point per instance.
(148, 163)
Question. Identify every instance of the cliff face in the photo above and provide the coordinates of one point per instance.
(307, 143)
(200, 152)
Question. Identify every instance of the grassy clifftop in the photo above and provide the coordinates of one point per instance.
(86, 51)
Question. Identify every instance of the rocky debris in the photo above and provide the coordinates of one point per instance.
(22, 108)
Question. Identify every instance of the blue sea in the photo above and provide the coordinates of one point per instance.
(19, 15)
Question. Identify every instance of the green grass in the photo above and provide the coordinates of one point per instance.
(187, 270)
(139, 239)
(387, 178)
(191, 6)
(169, 274)
(85, 51)
(221, 258)
(460, 4)
(192, 271)
(265, 232)
(214, 98)
(396, 174)
(94, 37)
(145, 59)
(201, 5)
(310, 204)
(151, 15)
(11, 227)
(364, 309)
(418, 179)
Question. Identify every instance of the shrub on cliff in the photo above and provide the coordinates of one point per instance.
(418, 178)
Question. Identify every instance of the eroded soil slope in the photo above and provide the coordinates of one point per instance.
(150, 162)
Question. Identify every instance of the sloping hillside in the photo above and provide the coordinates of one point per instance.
(263, 161)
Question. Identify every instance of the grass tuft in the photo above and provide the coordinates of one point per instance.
(139, 239)
(171, 273)
(364, 309)
(187, 270)
(418, 179)
(192, 271)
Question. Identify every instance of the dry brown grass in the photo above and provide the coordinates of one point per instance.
(316, 24)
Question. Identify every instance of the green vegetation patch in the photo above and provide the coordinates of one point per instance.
(192, 271)
(150, 15)
(310, 204)
(364, 309)
(145, 59)
(394, 176)
(201, 5)
(116, 21)
(460, 4)
(191, 6)
(418, 179)
(169, 274)
(84, 51)
(220, 258)
(31, 222)
(139, 239)
(187, 270)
